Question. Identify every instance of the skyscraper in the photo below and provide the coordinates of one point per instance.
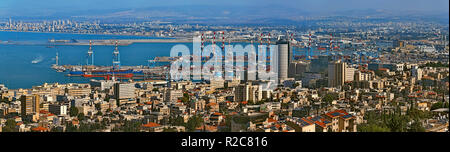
(10, 23)
(283, 58)
(336, 73)
(29, 105)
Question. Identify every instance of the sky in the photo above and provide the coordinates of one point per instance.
(47, 7)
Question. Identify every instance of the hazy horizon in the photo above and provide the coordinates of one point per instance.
(11, 8)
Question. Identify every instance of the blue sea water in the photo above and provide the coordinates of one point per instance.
(17, 69)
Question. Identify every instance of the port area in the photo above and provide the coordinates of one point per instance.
(121, 42)
(125, 42)
(108, 72)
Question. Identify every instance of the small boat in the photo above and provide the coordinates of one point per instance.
(37, 60)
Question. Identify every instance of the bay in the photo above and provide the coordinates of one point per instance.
(27, 61)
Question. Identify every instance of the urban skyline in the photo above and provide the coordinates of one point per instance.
(333, 67)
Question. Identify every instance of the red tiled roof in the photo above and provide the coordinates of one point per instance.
(44, 112)
(40, 129)
(336, 113)
(321, 124)
(277, 125)
(207, 127)
(270, 120)
(307, 120)
(151, 125)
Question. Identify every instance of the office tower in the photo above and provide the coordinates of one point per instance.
(10, 23)
(292, 70)
(58, 109)
(349, 74)
(283, 58)
(29, 105)
(255, 93)
(241, 93)
(319, 64)
(172, 95)
(336, 73)
(124, 90)
(102, 84)
(296, 69)
(362, 76)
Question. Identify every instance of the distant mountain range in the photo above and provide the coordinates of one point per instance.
(217, 15)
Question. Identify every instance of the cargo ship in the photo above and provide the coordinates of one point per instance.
(107, 76)
(122, 73)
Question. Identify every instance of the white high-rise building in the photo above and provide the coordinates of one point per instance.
(416, 72)
(283, 59)
(349, 74)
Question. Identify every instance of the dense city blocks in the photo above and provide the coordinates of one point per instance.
(172, 70)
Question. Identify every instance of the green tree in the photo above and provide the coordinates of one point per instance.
(55, 129)
(438, 105)
(194, 122)
(416, 126)
(169, 130)
(97, 106)
(73, 111)
(372, 128)
(5, 100)
(80, 116)
(99, 113)
(396, 123)
(227, 127)
(71, 128)
(10, 126)
(328, 98)
(186, 99)
(131, 126)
